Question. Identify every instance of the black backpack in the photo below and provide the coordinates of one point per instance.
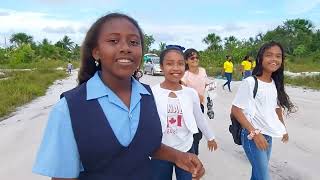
(235, 127)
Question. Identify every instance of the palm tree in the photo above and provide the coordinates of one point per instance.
(231, 43)
(21, 38)
(162, 46)
(65, 43)
(213, 41)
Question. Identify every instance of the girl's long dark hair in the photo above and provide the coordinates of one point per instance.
(277, 76)
(188, 53)
(88, 67)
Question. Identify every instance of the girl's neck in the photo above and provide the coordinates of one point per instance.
(194, 70)
(174, 86)
(114, 83)
(265, 77)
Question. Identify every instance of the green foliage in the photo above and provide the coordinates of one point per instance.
(305, 81)
(213, 41)
(23, 54)
(299, 50)
(162, 46)
(21, 38)
(21, 87)
(298, 36)
(4, 56)
(148, 41)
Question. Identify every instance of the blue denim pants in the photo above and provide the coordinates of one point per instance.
(162, 170)
(229, 79)
(246, 74)
(259, 159)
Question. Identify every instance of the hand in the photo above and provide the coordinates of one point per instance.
(201, 98)
(212, 145)
(285, 138)
(261, 142)
(190, 162)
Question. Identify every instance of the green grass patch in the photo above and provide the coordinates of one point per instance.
(303, 64)
(312, 82)
(40, 64)
(22, 87)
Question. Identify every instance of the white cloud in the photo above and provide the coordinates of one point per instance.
(192, 35)
(40, 25)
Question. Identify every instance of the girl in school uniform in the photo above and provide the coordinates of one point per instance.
(108, 126)
(180, 115)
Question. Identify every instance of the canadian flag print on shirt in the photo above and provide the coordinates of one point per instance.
(174, 118)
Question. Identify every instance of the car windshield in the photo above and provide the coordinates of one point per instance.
(156, 60)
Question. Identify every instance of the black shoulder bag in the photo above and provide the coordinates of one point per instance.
(235, 127)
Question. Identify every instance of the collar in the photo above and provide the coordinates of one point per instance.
(96, 88)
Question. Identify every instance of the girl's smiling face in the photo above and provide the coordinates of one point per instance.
(272, 59)
(193, 61)
(119, 48)
(173, 66)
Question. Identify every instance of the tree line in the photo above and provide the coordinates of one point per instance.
(299, 37)
(23, 49)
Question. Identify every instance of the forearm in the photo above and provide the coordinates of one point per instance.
(280, 115)
(241, 118)
(166, 153)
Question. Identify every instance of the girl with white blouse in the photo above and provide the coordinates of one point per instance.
(180, 114)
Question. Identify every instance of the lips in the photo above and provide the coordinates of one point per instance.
(124, 61)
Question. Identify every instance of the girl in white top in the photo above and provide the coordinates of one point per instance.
(262, 117)
(179, 112)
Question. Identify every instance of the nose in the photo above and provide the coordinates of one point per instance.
(176, 66)
(124, 47)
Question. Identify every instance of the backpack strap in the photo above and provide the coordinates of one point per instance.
(255, 89)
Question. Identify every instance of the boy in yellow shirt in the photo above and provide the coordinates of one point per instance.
(228, 69)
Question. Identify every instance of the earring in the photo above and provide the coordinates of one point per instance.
(96, 61)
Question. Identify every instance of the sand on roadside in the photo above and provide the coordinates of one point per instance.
(21, 134)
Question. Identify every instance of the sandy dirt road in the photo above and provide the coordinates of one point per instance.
(21, 133)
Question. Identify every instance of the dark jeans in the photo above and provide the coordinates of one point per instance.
(197, 137)
(162, 170)
(229, 78)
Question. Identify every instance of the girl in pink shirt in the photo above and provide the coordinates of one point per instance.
(196, 78)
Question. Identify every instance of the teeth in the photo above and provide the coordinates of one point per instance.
(124, 60)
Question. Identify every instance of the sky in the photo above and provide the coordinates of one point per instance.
(179, 22)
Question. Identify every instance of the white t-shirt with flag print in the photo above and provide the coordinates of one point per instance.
(176, 135)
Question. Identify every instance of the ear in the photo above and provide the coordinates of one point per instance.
(161, 67)
(95, 53)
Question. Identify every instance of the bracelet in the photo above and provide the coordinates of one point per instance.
(253, 133)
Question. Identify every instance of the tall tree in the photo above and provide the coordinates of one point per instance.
(65, 43)
(231, 43)
(21, 38)
(162, 46)
(148, 41)
(213, 41)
